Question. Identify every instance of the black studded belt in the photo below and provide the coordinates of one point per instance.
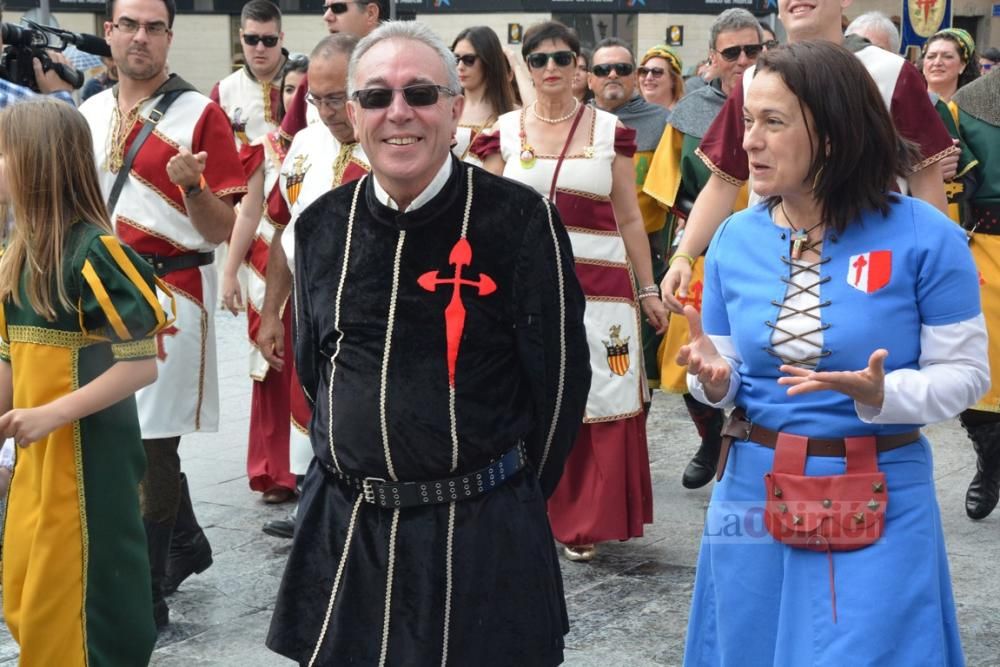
(393, 495)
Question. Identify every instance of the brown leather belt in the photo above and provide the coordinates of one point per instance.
(738, 427)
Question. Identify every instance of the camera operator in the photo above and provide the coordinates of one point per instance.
(48, 82)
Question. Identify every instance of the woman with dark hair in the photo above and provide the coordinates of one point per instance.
(581, 90)
(486, 79)
(581, 158)
(839, 317)
(268, 466)
(949, 61)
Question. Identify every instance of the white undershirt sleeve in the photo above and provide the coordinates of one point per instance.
(724, 344)
(954, 373)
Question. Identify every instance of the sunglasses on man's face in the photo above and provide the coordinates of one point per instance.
(732, 53)
(418, 95)
(467, 59)
(539, 60)
(621, 69)
(270, 41)
(338, 7)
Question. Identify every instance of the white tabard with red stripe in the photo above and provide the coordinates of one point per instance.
(250, 104)
(617, 386)
(151, 217)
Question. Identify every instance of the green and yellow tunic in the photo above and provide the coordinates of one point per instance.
(76, 586)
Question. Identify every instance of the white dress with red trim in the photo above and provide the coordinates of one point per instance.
(605, 492)
(151, 217)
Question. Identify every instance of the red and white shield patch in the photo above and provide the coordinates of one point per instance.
(870, 271)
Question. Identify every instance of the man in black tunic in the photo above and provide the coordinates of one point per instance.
(440, 337)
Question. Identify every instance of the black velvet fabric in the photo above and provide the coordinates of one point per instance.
(507, 605)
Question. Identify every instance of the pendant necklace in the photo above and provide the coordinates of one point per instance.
(800, 237)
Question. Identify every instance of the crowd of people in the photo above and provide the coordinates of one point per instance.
(465, 269)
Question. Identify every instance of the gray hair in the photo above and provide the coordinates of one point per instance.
(733, 19)
(340, 43)
(411, 30)
(878, 22)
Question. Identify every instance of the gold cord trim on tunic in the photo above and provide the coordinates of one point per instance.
(716, 170)
(135, 349)
(73, 340)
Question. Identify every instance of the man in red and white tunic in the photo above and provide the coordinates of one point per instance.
(322, 156)
(175, 207)
(251, 96)
(904, 94)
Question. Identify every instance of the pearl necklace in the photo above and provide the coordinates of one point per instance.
(555, 121)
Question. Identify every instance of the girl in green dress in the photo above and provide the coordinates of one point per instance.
(78, 316)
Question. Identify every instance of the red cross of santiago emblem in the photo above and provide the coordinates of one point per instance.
(454, 313)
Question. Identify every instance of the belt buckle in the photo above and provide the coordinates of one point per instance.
(366, 488)
(747, 423)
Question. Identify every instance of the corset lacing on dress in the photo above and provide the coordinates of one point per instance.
(797, 335)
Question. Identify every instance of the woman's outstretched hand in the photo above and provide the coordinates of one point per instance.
(701, 358)
(866, 386)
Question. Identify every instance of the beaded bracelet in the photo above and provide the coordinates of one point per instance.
(649, 295)
(650, 289)
(682, 255)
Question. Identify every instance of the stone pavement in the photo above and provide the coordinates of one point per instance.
(629, 607)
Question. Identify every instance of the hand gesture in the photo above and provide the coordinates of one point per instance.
(866, 386)
(656, 313)
(28, 425)
(676, 280)
(232, 295)
(701, 358)
(271, 341)
(185, 168)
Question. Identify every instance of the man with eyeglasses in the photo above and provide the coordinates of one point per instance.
(676, 176)
(903, 91)
(355, 17)
(174, 206)
(251, 95)
(445, 352)
(322, 156)
(613, 80)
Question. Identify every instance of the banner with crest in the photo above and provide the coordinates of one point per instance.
(921, 19)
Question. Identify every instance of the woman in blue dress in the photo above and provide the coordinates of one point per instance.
(838, 318)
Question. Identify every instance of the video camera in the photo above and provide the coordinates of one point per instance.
(23, 43)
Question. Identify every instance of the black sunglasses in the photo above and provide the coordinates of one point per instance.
(419, 95)
(733, 52)
(468, 59)
(560, 58)
(338, 7)
(270, 41)
(655, 72)
(621, 69)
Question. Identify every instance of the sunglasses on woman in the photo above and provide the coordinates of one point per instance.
(270, 41)
(621, 69)
(655, 72)
(418, 95)
(539, 60)
(733, 52)
(467, 59)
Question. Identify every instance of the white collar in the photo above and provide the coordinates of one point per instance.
(431, 191)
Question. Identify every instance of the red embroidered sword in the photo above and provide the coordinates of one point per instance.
(454, 314)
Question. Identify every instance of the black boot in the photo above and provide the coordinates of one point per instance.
(158, 543)
(984, 491)
(190, 552)
(708, 421)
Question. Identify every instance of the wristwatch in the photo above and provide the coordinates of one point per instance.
(192, 190)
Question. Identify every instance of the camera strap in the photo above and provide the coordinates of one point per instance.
(148, 123)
